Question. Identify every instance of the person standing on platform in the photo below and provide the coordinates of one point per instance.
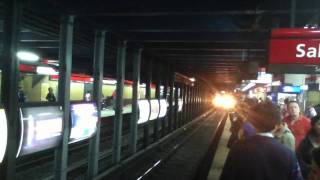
(308, 144)
(283, 134)
(50, 96)
(297, 123)
(261, 156)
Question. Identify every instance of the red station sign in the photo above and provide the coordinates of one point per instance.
(294, 46)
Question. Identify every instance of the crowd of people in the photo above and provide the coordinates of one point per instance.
(269, 144)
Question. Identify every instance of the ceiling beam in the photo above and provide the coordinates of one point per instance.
(208, 13)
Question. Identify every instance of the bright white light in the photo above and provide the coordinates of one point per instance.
(304, 87)
(112, 82)
(192, 79)
(180, 105)
(155, 108)
(248, 86)
(276, 83)
(4, 134)
(27, 56)
(163, 108)
(287, 89)
(144, 111)
(45, 70)
(84, 121)
(225, 101)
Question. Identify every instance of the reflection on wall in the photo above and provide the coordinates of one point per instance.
(107, 90)
(76, 91)
(36, 88)
(38, 91)
(153, 93)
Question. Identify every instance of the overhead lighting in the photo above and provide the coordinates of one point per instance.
(45, 70)
(108, 81)
(276, 83)
(27, 56)
(248, 86)
(192, 79)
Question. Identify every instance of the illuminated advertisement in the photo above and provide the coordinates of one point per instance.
(144, 111)
(163, 108)
(290, 89)
(4, 134)
(180, 104)
(108, 107)
(84, 120)
(155, 108)
(41, 128)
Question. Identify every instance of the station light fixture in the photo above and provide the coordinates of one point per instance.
(248, 86)
(192, 79)
(110, 81)
(46, 70)
(28, 56)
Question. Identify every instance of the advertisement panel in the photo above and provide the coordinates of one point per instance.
(144, 111)
(84, 120)
(41, 128)
(163, 108)
(3, 134)
(155, 108)
(180, 105)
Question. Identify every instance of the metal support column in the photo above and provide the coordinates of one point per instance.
(187, 115)
(135, 89)
(65, 65)
(117, 131)
(165, 93)
(198, 99)
(181, 112)
(10, 78)
(175, 113)
(192, 103)
(146, 133)
(293, 13)
(158, 83)
(184, 98)
(99, 46)
(171, 110)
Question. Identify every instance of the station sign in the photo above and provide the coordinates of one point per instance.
(294, 46)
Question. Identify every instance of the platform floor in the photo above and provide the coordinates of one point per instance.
(221, 154)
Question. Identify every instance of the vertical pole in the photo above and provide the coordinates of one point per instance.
(171, 110)
(135, 89)
(192, 103)
(65, 65)
(158, 83)
(117, 135)
(197, 109)
(184, 97)
(181, 98)
(10, 78)
(293, 13)
(175, 113)
(146, 132)
(165, 92)
(194, 100)
(187, 104)
(98, 64)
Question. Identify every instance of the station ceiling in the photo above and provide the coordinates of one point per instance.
(209, 39)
